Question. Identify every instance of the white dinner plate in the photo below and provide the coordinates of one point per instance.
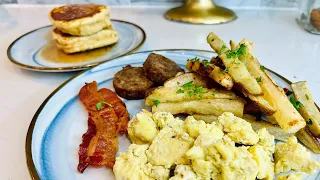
(36, 50)
(56, 129)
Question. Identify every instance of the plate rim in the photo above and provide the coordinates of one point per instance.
(28, 142)
(69, 68)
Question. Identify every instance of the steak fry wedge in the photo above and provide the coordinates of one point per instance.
(234, 66)
(204, 106)
(286, 115)
(205, 68)
(309, 111)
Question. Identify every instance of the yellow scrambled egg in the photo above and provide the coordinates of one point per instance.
(194, 150)
(292, 155)
(290, 177)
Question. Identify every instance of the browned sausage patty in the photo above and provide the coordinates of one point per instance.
(132, 83)
(159, 68)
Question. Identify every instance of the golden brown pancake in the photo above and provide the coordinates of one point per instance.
(75, 11)
(80, 19)
(72, 44)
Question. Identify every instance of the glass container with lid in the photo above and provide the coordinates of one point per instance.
(309, 16)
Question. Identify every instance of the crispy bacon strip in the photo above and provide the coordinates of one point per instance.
(100, 143)
(119, 108)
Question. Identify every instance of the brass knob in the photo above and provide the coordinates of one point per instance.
(201, 12)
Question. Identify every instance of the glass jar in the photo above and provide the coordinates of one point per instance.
(309, 16)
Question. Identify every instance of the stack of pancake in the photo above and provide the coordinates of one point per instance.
(81, 27)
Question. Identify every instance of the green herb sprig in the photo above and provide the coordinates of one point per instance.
(296, 104)
(100, 104)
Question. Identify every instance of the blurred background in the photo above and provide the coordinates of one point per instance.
(227, 3)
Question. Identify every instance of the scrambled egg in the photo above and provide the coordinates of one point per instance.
(292, 155)
(227, 149)
(239, 130)
(290, 177)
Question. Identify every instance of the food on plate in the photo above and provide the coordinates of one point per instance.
(290, 176)
(80, 19)
(261, 104)
(82, 27)
(274, 130)
(182, 79)
(72, 44)
(107, 116)
(202, 106)
(293, 156)
(188, 94)
(309, 139)
(286, 115)
(205, 68)
(307, 108)
(132, 83)
(177, 94)
(195, 149)
(159, 68)
(234, 66)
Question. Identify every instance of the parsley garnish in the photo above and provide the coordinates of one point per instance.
(262, 68)
(196, 59)
(222, 49)
(191, 89)
(180, 91)
(226, 70)
(156, 102)
(206, 63)
(296, 104)
(100, 104)
(258, 79)
(307, 97)
(178, 82)
(309, 122)
(237, 52)
(212, 39)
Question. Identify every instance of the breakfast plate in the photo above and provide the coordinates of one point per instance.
(37, 51)
(54, 135)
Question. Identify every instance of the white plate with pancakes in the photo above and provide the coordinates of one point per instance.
(75, 41)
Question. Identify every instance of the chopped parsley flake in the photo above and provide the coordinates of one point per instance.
(262, 68)
(222, 49)
(206, 63)
(258, 79)
(226, 70)
(237, 52)
(100, 104)
(156, 102)
(192, 90)
(296, 104)
(212, 39)
(196, 59)
(307, 97)
(178, 82)
(309, 122)
(180, 91)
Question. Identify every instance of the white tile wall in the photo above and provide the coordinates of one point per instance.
(227, 3)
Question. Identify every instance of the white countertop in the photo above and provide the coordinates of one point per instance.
(280, 44)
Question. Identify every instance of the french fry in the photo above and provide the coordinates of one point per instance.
(309, 140)
(178, 94)
(274, 130)
(286, 115)
(212, 71)
(262, 104)
(204, 106)
(309, 111)
(234, 66)
(180, 80)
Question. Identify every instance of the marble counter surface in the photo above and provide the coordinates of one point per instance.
(279, 43)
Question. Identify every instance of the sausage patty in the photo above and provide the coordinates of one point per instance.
(132, 83)
(159, 68)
